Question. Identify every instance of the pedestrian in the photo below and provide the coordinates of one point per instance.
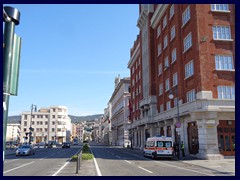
(182, 148)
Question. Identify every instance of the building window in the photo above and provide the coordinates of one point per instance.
(219, 7)
(53, 122)
(189, 71)
(37, 122)
(25, 117)
(165, 22)
(167, 84)
(186, 16)
(33, 122)
(25, 123)
(159, 49)
(173, 32)
(191, 95)
(45, 129)
(24, 129)
(174, 55)
(166, 63)
(223, 62)
(221, 33)
(160, 69)
(161, 108)
(46, 123)
(53, 116)
(168, 105)
(160, 89)
(53, 129)
(158, 30)
(226, 92)
(175, 79)
(171, 11)
(165, 42)
(188, 42)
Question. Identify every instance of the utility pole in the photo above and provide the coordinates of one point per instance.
(11, 59)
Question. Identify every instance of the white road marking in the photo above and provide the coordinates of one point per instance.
(145, 169)
(128, 161)
(18, 167)
(97, 168)
(61, 168)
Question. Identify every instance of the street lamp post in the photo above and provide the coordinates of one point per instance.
(11, 17)
(33, 107)
(178, 125)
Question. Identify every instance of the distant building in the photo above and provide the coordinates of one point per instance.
(49, 124)
(13, 132)
(119, 115)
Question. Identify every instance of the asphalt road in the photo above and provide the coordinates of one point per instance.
(109, 161)
(113, 161)
(46, 162)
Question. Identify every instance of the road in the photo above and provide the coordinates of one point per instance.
(114, 161)
(110, 161)
(46, 162)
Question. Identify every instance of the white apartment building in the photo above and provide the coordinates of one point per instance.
(120, 111)
(13, 132)
(48, 124)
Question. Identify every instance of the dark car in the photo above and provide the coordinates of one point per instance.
(25, 150)
(66, 145)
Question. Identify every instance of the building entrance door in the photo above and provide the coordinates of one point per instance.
(193, 138)
(226, 137)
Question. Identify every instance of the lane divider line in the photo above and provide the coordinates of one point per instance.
(18, 167)
(145, 169)
(97, 168)
(61, 168)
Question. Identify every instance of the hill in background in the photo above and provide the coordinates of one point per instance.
(74, 119)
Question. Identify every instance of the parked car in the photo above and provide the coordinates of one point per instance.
(66, 145)
(25, 150)
(51, 144)
(41, 145)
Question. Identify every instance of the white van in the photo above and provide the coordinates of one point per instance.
(159, 146)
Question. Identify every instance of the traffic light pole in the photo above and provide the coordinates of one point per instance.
(11, 17)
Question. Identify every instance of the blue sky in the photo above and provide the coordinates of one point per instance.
(71, 55)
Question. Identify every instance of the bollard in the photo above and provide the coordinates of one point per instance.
(77, 165)
(79, 160)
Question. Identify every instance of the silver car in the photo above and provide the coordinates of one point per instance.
(25, 150)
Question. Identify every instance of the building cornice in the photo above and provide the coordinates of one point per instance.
(158, 15)
(134, 56)
(142, 19)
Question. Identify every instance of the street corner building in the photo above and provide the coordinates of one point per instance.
(182, 73)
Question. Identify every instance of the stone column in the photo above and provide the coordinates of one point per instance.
(165, 130)
(207, 135)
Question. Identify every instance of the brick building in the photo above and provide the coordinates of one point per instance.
(187, 51)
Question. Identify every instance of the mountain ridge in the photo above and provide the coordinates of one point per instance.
(74, 119)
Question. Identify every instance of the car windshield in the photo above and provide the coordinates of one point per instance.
(24, 147)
